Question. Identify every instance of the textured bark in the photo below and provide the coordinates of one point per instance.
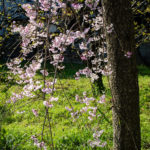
(124, 79)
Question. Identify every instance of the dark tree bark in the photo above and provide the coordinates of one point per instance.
(124, 78)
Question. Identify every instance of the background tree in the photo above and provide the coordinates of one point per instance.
(123, 80)
(141, 11)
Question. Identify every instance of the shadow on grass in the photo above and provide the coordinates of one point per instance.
(70, 70)
(67, 73)
(143, 70)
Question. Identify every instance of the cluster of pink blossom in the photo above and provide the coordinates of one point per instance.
(107, 71)
(49, 87)
(77, 6)
(25, 76)
(97, 22)
(14, 66)
(28, 35)
(88, 108)
(49, 103)
(30, 11)
(15, 97)
(53, 5)
(97, 142)
(35, 112)
(128, 54)
(37, 143)
(60, 42)
(98, 59)
(110, 28)
(92, 4)
(92, 114)
(88, 73)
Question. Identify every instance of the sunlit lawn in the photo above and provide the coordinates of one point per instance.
(20, 123)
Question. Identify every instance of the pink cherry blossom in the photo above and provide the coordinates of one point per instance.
(35, 112)
(77, 6)
(47, 104)
(128, 54)
(102, 99)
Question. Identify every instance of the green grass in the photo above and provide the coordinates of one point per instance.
(144, 85)
(67, 135)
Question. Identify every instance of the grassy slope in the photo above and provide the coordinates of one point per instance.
(67, 134)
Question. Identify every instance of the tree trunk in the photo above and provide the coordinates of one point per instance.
(124, 78)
